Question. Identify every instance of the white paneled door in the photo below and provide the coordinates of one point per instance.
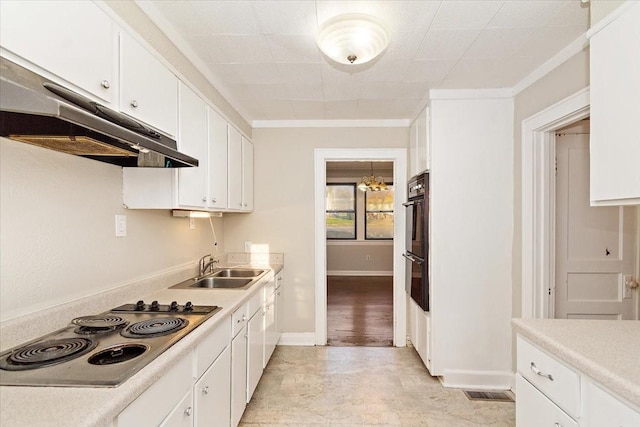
(595, 246)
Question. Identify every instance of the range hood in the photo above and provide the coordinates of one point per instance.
(36, 111)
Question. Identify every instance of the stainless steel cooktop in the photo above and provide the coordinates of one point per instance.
(102, 350)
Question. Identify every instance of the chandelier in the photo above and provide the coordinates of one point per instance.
(372, 183)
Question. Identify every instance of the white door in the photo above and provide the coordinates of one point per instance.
(595, 246)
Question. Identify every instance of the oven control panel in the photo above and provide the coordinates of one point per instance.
(174, 307)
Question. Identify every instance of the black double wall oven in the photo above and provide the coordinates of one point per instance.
(417, 240)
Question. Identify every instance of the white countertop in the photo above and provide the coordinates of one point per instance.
(87, 406)
(608, 351)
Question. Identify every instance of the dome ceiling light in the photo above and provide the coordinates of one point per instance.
(352, 38)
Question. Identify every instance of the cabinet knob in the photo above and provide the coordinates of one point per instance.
(204, 200)
(105, 84)
(188, 411)
(213, 200)
(205, 390)
(240, 204)
(245, 205)
(134, 103)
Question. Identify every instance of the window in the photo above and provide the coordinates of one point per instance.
(378, 224)
(341, 211)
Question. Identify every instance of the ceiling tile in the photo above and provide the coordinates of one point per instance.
(271, 109)
(473, 73)
(267, 73)
(304, 74)
(294, 48)
(465, 15)
(211, 17)
(336, 110)
(499, 43)
(309, 110)
(286, 17)
(550, 40)
(526, 14)
(431, 71)
(224, 49)
(393, 90)
(303, 92)
(573, 13)
(446, 44)
(403, 45)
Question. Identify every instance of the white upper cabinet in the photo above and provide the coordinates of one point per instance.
(247, 175)
(149, 90)
(615, 108)
(235, 169)
(218, 152)
(73, 40)
(419, 144)
(192, 140)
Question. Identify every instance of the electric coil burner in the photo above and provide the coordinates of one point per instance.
(102, 350)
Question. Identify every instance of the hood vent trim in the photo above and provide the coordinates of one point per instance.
(36, 111)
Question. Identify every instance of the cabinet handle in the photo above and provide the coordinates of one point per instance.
(105, 84)
(205, 390)
(557, 425)
(539, 372)
(134, 103)
(188, 411)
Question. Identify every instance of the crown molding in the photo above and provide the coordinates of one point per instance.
(399, 123)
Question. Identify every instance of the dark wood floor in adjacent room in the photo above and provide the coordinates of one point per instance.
(360, 311)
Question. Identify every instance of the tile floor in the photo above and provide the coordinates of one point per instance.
(362, 386)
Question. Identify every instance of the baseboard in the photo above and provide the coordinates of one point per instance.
(478, 380)
(358, 273)
(298, 338)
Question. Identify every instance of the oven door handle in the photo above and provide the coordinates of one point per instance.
(408, 204)
(413, 259)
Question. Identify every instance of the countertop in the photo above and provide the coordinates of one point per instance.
(608, 351)
(87, 406)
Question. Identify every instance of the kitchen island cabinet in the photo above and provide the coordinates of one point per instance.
(577, 372)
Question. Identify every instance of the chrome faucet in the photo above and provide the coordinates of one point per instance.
(204, 265)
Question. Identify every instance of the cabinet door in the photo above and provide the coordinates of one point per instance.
(413, 138)
(73, 40)
(149, 91)
(422, 141)
(238, 376)
(615, 109)
(212, 394)
(192, 140)
(270, 333)
(255, 352)
(182, 414)
(247, 175)
(601, 409)
(279, 306)
(235, 168)
(533, 409)
(218, 152)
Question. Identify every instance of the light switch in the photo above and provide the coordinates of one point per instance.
(121, 225)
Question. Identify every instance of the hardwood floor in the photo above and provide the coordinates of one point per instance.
(360, 311)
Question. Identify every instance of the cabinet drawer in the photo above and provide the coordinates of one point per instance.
(212, 346)
(604, 410)
(550, 376)
(533, 409)
(255, 303)
(239, 319)
(182, 414)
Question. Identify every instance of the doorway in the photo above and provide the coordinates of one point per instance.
(398, 158)
(359, 247)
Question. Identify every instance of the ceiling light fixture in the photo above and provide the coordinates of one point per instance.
(352, 38)
(371, 183)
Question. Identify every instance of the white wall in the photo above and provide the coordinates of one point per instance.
(471, 238)
(57, 231)
(283, 214)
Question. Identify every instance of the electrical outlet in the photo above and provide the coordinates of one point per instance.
(247, 246)
(368, 257)
(192, 223)
(626, 286)
(121, 225)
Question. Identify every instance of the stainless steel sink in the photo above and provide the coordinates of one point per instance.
(237, 272)
(221, 282)
(224, 278)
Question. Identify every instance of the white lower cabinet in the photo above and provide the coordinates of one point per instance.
(534, 409)
(551, 393)
(420, 333)
(270, 333)
(255, 351)
(238, 375)
(601, 409)
(182, 414)
(212, 394)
